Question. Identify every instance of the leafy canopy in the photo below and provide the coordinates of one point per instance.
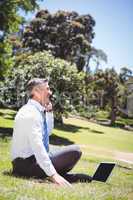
(67, 34)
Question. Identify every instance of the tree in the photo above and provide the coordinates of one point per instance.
(10, 20)
(108, 83)
(67, 34)
(96, 55)
(125, 74)
(64, 80)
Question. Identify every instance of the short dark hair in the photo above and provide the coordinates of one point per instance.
(34, 82)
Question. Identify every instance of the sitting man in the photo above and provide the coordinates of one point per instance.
(30, 142)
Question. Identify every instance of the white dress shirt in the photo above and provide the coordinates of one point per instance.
(28, 133)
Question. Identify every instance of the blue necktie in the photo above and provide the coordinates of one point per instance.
(46, 135)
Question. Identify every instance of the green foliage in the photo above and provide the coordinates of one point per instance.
(6, 60)
(10, 20)
(67, 34)
(87, 112)
(66, 83)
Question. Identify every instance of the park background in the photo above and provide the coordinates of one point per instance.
(84, 48)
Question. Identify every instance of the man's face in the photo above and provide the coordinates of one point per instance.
(45, 93)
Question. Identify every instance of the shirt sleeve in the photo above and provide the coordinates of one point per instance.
(50, 122)
(35, 139)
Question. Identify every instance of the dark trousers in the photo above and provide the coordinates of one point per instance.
(63, 160)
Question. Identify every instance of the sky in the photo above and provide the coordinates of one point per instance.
(113, 29)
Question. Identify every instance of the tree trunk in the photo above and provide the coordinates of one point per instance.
(58, 118)
(102, 100)
(113, 111)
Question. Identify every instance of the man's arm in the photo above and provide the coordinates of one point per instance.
(50, 122)
(42, 157)
(49, 117)
(36, 143)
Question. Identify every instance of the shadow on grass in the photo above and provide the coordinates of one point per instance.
(4, 132)
(11, 174)
(7, 115)
(95, 131)
(73, 128)
(124, 167)
(67, 127)
(107, 123)
(117, 124)
(92, 130)
(7, 172)
(57, 140)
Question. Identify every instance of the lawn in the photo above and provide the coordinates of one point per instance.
(99, 143)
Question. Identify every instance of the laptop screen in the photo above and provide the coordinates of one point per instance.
(103, 171)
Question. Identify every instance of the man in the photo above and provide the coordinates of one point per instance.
(30, 142)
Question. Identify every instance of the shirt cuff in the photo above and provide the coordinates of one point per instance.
(51, 171)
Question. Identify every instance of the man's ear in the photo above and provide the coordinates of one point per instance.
(36, 92)
(36, 89)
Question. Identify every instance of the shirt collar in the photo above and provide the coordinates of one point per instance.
(36, 104)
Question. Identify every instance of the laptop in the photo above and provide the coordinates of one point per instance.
(103, 171)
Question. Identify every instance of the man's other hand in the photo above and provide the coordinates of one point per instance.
(49, 107)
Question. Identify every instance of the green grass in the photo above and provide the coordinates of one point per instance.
(6, 118)
(93, 134)
(99, 143)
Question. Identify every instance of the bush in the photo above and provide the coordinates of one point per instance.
(65, 82)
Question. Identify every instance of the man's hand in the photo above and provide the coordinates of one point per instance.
(48, 107)
(59, 180)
